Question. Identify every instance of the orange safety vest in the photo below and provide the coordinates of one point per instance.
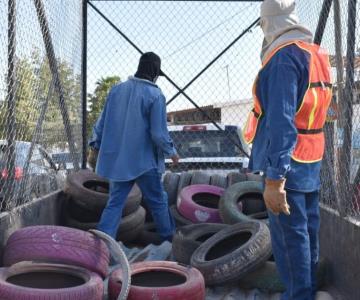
(311, 116)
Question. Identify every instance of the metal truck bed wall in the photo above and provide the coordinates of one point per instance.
(339, 238)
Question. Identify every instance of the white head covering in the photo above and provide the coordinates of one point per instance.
(280, 24)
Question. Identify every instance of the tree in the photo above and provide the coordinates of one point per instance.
(33, 79)
(98, 98)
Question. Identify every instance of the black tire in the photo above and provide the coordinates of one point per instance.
(254, 177)
(228, 204)
(266, 278)
(200, 177)
(233, 252)
(130, 227)
(149, 235)
(179, 219)
(171, 182)
(218, 180)
(235, 177)
(185, 180)
(83, 214)
(92, 191)
(188, 238)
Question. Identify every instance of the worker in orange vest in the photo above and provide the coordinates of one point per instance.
(292, 93)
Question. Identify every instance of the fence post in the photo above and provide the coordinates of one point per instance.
(11, 102)
(84, 83)
(56, 76)
(345, 153)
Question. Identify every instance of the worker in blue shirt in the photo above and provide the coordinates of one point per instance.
(132, 140)
(291, 95)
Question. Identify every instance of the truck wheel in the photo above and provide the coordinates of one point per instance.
(160, 280)
(233, 252)
(188, 238)
(200, 177)
(171, 182)
(249, 193)
(37, 281)
(218, 180)
(199, 203)
(57, 244)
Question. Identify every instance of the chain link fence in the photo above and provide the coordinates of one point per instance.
(210, 54)
(210, 51)
(40, 97)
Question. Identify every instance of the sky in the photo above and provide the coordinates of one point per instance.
(186, 34)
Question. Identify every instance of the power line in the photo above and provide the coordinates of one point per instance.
(207, 32)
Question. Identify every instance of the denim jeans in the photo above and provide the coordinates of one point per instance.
(295, 243)
(156, 199)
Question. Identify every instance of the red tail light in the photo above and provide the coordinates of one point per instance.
(18, 173)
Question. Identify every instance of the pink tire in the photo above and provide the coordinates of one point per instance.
(192, 199)
(34, 281)
(163, 280)
(56, 244)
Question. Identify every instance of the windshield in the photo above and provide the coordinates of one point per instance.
(210, 143)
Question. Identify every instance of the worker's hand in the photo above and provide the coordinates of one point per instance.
(92, 157)
(275, 196)
(175, 159)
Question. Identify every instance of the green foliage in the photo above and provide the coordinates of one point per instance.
(98, 98)
(33, 77)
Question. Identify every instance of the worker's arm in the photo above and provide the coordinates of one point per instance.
(158, 127)
(281, 106)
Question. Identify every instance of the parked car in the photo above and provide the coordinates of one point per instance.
(42, 176)
(203, 146)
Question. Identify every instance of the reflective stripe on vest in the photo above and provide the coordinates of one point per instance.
(311, 115)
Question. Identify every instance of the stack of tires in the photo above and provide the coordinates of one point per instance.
(53, 263)
(87, 195)
(196, 197)
(238, 247)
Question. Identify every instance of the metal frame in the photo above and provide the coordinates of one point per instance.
(182, 90)
(84, 84)
(44, 26)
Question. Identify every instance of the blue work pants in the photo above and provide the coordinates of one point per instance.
(295, 244)
(156, 199)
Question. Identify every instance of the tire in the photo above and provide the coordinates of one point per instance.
(83, 214)
(166, 282)
(185, 180)
(254, 177)
(228, 205)
(57, 244)
(192, 201)
(149, 235)
(218, 180)
(130, 226)
(233, 252)
(171, 182)
(188, 238)
(92, 191)
(32, 281)
(266, 278)
(200, 177)
(235, 177)
(179, 219)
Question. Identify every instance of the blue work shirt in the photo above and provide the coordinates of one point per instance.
(281, 86)
(131, 131)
